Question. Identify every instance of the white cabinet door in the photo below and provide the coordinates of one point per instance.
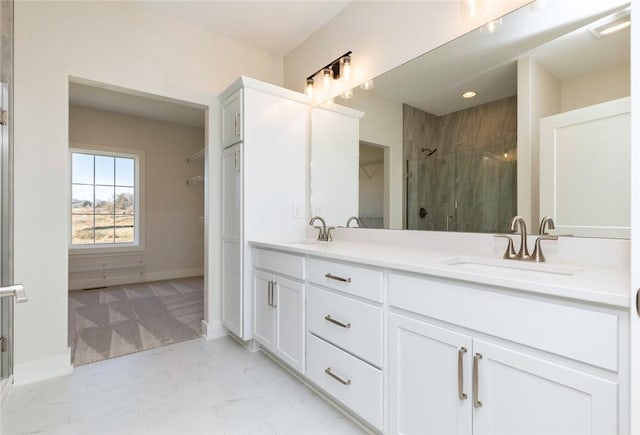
(289, 300)
(232, 298)
(264, 312)
(232, 119)
(429, 379)
(522, 394)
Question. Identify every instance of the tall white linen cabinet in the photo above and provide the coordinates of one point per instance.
(265, 132)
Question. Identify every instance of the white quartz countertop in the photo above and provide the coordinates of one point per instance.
(602, 285)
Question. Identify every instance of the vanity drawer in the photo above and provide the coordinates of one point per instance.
(279, 262)
(577, 333)
(356, 384)
(361, 329)
(349, 278)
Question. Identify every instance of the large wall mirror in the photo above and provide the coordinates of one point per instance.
(544, 130)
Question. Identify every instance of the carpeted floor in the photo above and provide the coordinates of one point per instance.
(115, 321)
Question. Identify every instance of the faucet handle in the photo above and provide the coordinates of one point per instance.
(329, 236)
(537, 254)
(510, 252)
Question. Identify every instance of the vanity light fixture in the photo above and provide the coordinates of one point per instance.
(367, 86)
(334, 70)
(469, 94)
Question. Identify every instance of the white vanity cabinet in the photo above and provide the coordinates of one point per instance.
(278, 293)
(467, 378)
(345, 335)
(264, 138)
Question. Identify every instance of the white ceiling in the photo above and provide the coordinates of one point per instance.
(143, 106)
(275, 26)
(486, 62)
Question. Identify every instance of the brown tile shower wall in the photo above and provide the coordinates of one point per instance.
(469, 183)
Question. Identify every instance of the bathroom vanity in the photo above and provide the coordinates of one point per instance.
(417, 340)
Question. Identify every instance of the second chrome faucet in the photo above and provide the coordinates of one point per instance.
(519, 225)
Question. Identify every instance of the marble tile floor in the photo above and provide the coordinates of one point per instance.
(194, 387)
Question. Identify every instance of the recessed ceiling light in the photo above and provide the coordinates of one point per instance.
(469, 94)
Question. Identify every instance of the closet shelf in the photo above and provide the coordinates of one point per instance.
(198, 155)
(198, 179)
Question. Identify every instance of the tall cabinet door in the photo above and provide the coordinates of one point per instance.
(523, 394)
(429, 379)
(289, 300)
(232, 298)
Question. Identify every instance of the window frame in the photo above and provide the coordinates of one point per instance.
(96, 248)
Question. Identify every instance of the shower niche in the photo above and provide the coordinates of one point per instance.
(460, 168)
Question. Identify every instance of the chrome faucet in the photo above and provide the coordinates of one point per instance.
(546, 223)
(519, 222)
(324, 233)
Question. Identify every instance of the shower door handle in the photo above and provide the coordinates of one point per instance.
(15, 290)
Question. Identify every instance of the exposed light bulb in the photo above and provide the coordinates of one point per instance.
(368, 85)
(327, 75)
(346, 67)
(347, 95)
(309, 89)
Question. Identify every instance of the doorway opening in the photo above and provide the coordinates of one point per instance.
(372, 181)
(136, 221)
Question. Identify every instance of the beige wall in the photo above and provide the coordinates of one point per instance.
(114, 43)
(599, 87)
(171, 231)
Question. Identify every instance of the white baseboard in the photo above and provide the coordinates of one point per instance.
(83, 283)
(211, 331)
(42, 369)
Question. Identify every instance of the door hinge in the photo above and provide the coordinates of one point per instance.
(4, 117)
(3, 344)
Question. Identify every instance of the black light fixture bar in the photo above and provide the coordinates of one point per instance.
(334, 65)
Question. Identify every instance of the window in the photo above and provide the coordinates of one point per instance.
(104, 198)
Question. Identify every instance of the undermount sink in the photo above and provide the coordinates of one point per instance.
(490, 265)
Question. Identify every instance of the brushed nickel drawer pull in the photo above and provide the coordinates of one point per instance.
(461, 394)
(476, 402)
(336, 322)
(270, 293)
(337, 278)
(236, 123)
(336, 377)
